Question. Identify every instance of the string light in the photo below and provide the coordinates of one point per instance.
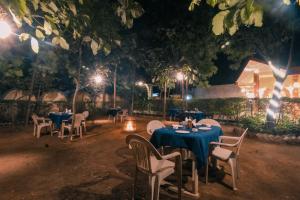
(274, 103)
(278, 72)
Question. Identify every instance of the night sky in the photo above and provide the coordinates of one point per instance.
(163, 13)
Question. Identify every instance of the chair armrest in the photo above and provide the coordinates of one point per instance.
(171, 155)
(223, 144)
(229, 137)
(40, 119)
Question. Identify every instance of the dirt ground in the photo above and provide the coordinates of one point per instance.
(100, 166)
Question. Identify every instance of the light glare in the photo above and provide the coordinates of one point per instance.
(5, 30)
(180, 76)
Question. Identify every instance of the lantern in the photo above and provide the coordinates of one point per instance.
(130, 124)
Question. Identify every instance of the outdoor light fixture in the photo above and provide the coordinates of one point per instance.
(5, 30)
(98, 79)
(188, 97)
(140, 83)
(179, 76)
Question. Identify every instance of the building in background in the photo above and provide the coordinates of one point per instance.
(255, 81)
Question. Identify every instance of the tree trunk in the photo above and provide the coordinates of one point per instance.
(187, 92)
(115, 86)
(273, 109)
(132, 92)
(165, 99)
(29, 96)
(77, 83)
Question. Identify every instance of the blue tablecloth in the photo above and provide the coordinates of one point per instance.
(194, 115)
(197, 142)
(57, 118)
(113, 111)
(174, 112)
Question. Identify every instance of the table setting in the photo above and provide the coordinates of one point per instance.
(191, 136)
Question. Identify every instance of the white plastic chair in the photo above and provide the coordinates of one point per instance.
(150, 162)
(39, 123)
(85, 114)
(123, 115)
(210, 122)
(153, 125)
(77, 126)
(229, 156)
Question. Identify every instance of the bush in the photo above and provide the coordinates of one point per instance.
(254, 123)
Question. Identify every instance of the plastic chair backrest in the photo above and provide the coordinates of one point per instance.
(240, 141)
(153, 125)
(142, 150)
(85, 114)
(211, 122)
(78, 119)
(34, 118)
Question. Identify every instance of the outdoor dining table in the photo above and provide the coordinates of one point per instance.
(198, 115)
(113, 111)
(174, 112)
(58, 117)
(196, 142)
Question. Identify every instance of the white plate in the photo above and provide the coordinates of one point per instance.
(204, 128)
(182, 131)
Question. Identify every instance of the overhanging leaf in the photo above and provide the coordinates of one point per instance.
(34, 45)
(23, 37)
(47, 28)
(63, 43)
(218, 22)
(72, 8)
(39, 34)
(94, 47)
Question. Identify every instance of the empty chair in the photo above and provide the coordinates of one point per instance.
(210, 122)
(229, 156)
(77, 126)
(39, 123)
(150, 162)
(123, 114)
(153, 125)
(85, 114)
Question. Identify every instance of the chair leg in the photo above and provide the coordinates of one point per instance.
(134, 184)
(206, 170)
(151, 180)
(34, 130)
(179, 177)
(237, 168)
(38, 133)
(80, 131)
(232, 163)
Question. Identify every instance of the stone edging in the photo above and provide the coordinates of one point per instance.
(265, 137)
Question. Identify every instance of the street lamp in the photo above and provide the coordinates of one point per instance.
(98, 79)
(5, 30)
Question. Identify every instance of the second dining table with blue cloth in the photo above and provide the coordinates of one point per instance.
(198, 115)
(197, 142)
(113, 111)
(57, 118)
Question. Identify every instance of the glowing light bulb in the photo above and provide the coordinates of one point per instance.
(98, 79)
(5, 30)
(180, 76)
(140, 83)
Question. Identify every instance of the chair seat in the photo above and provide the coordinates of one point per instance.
(161, 165)
(223, 154)
(44, 124)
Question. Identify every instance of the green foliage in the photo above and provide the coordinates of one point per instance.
(233, 14)
(254, 123)
(53, 18)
